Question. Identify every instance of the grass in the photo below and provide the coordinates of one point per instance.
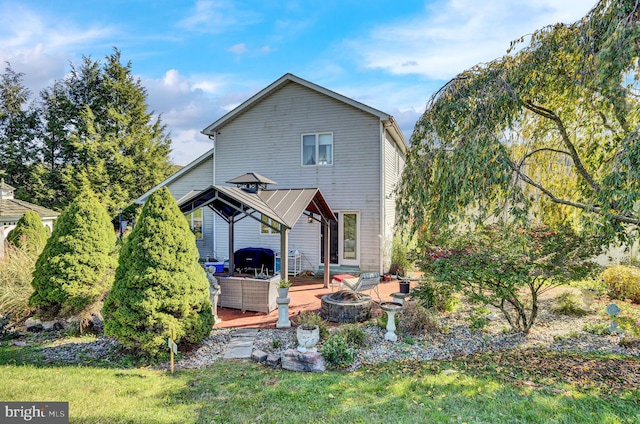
(496, 388)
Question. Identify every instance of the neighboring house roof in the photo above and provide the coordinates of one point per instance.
(390, 123)
(14, 209)
(140, 200)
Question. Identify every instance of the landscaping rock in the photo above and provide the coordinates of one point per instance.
(33, 325)
(273, 360)
(258, 355)
(303, 361)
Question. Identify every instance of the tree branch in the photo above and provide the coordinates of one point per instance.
(549, 114)
(547, 149)
(579, 205)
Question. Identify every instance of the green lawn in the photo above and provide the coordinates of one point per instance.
(508, 387)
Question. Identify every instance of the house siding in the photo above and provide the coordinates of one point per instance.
(394, 161)
(198, 178)
(272, 130)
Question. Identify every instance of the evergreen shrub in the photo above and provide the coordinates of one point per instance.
(29, 232)
(159, 285)
(75, 269)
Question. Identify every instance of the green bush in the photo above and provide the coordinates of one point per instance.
(159, 285)
(437, 295)
(75, 269)
(353, 334)
(478, 318)
(314, 318)
(338, 352)
(623, 282)
(29, 232)
(568, 303)
(400, 262)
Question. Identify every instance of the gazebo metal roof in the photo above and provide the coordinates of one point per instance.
(283, 206)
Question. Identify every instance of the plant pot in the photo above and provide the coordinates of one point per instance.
(283, 292)
(404, 286)
(308, 335)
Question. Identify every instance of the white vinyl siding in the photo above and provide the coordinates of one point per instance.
(272, 130)
(394, 161)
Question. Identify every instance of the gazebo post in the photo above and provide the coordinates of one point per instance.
(232, 264)
(284, 252)
(327, 254)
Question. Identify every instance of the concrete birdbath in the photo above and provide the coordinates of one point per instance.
(391, 308)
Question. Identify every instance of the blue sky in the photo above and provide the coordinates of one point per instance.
(199, 59)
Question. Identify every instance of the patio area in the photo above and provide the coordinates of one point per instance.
(305, 294)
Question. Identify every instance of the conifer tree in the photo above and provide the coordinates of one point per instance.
(76, 266)
(29, 232)
(159, 286)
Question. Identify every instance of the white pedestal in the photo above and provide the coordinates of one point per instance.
(283, 312)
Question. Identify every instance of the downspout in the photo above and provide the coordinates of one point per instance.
(215, 250)
(382, 235)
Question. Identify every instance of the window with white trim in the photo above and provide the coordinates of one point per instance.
(267, 224)
(317, 149)
(195, 223)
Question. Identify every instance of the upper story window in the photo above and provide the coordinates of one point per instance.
(195, 222)
(317, 149)
(269, 226)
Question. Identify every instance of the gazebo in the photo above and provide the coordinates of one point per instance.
(252, 198)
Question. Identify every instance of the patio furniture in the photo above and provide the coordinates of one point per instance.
(337, 279)
(248, 294)
(367, 281)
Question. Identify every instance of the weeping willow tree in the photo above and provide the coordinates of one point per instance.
(550, 131)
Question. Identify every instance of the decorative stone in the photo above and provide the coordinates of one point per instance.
(308, 335)
(33, 325)
(293, 360)
(258, 355)
(272, 360)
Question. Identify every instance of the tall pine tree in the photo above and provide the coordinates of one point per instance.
(159, 285)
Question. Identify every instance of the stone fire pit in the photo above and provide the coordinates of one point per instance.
(346, 306)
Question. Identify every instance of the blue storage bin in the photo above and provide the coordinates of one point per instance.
(218, 265)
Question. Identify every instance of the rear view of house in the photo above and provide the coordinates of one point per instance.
(300, 136)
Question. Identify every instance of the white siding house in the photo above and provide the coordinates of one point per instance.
(302, 135)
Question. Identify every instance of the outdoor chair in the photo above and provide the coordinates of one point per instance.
(365, 282)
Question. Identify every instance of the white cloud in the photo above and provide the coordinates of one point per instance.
(219, 16)
(238, 48)
(452, 35)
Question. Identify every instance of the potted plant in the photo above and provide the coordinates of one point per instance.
(283, 288)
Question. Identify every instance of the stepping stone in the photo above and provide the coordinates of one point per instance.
(241, 344)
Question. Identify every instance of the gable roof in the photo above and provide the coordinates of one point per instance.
(14, 209)
(140, 200)
(284, 206)
(390, 123)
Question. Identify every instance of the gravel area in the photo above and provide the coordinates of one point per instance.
(455, 338)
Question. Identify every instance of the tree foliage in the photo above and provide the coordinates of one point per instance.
(29, 232)
(18, 127)
(509, 268)
(76, 266)
(159, 285)
(91, 130)
(550, 129)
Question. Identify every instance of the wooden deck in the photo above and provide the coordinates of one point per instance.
(305, 294)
